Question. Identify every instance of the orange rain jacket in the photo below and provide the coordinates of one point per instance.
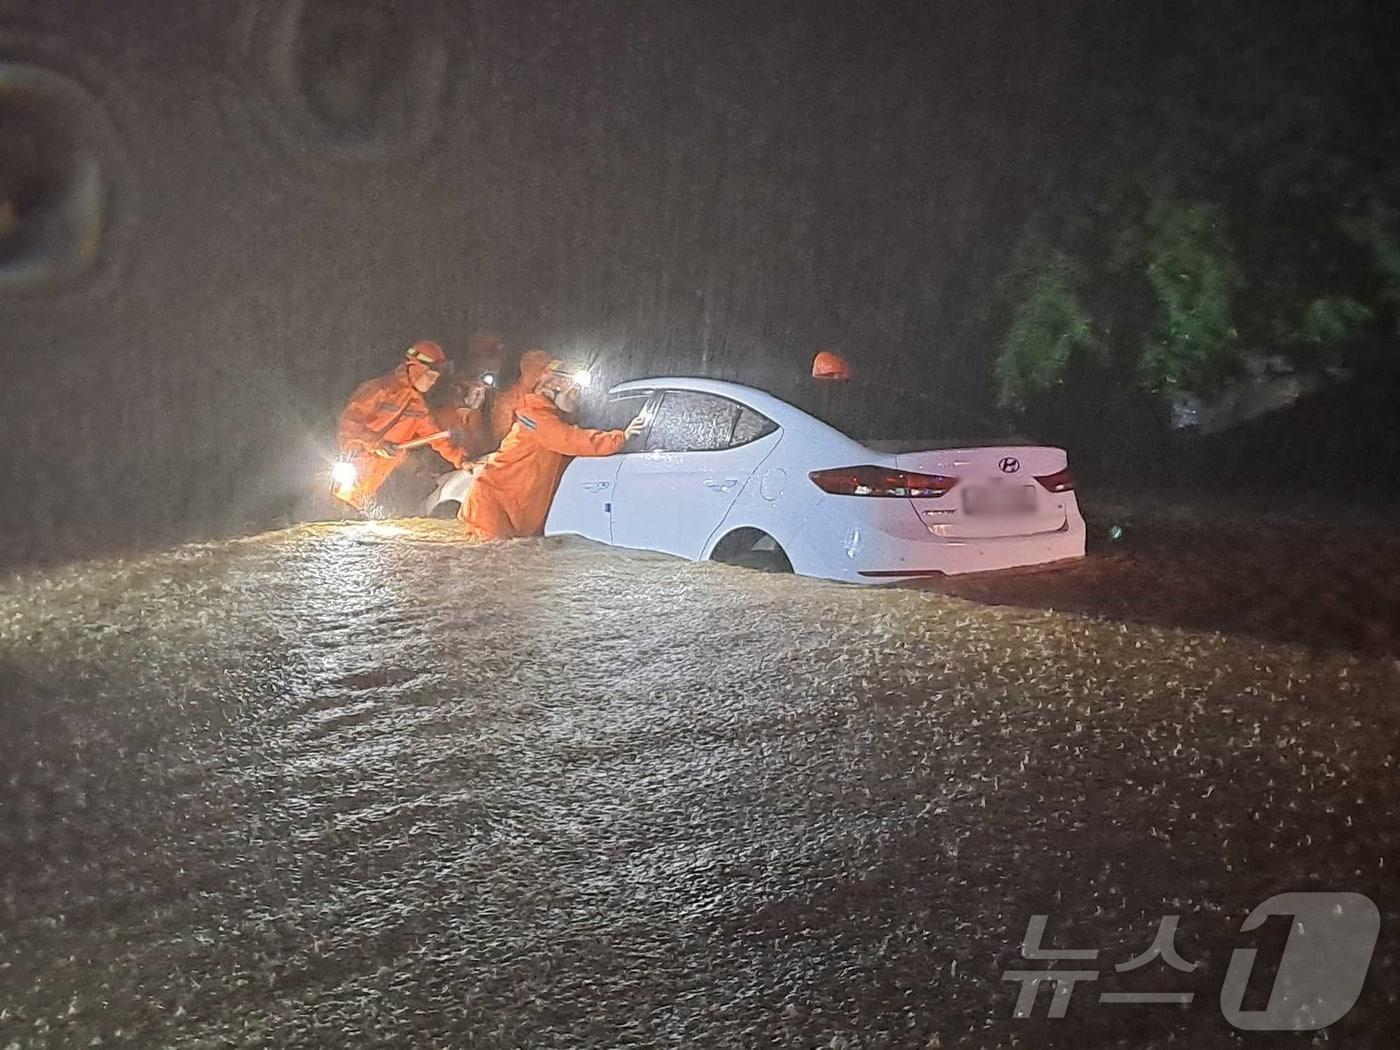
(533, 365)
(382, 410)
(512, 494)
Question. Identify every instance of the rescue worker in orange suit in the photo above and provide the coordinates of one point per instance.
(533, 366)
(515, 484)
(386, 412)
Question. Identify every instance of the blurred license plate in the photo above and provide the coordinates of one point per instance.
(999, 499)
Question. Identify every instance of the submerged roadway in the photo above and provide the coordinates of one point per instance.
(366, 784)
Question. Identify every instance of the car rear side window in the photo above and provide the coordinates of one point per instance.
(750, 427)
(689, 421)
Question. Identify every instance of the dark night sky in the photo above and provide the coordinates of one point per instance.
(296, 190)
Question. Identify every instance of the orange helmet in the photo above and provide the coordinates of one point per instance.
(534, 366)
(827, 365)
(427, 353)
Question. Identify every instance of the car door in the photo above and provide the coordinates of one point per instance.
(699, 452)
(582, 504)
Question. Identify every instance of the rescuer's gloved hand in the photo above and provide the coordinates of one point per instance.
(385, 450)
(636, 426)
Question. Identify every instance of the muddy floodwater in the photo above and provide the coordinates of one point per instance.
(352, 785)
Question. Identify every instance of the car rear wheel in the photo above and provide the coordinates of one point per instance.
(752, 549)
(445, 510)
(764, 561)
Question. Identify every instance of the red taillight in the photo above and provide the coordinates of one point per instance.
(881, 481)
(1060, 481)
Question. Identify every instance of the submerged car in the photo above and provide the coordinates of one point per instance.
(733, 474)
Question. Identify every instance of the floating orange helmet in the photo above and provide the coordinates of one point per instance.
(827, 365)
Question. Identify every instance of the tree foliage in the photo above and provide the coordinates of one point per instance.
(1150, 295)
(1048, 326)
(1191, 270)
(1246, 201)
(1333, 319)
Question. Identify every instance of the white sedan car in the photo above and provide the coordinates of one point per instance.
(729, 473)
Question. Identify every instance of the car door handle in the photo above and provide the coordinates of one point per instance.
(721, 484)
(596, 486)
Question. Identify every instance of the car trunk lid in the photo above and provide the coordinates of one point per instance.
(997, 494)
